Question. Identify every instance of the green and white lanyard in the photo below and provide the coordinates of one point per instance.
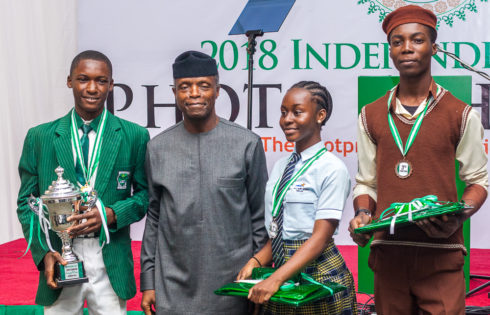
(276, 205)
(413, 132)
(93, 164)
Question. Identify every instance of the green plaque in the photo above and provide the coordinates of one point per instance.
(401, 219)
(70, 274)
(298, 291)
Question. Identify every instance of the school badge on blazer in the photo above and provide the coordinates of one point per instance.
(122, 180)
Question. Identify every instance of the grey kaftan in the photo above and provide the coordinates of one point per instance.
(206, 216)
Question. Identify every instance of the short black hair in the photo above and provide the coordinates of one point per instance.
(320, 96)
(432, 34)
(93, 55)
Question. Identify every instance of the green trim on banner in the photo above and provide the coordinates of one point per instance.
(39, 310)
(369, 90)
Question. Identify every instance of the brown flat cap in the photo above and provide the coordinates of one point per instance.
(409, 14)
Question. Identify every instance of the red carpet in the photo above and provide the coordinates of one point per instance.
(18, 276)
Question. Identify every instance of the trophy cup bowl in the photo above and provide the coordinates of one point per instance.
(62, 199)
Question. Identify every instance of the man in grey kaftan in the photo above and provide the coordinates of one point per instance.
(205, 220)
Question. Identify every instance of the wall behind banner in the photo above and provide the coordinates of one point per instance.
(332, 42)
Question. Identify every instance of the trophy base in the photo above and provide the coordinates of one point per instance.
(71, 274)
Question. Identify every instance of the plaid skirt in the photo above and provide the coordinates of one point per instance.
(329, 266)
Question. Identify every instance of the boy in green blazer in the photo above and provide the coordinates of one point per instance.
(118, 178)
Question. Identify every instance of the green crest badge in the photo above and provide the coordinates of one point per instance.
(445, 10)
(122, 180)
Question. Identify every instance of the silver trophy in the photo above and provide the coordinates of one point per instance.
(62, 199)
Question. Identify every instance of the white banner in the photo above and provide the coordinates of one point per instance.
(333, 42)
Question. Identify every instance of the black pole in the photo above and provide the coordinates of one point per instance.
(251, 50)
(481, 287)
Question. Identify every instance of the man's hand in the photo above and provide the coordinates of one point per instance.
(147, 301)
(441, 227)
(49, 260)
(358, 221)
(93, 221)
(246, 271)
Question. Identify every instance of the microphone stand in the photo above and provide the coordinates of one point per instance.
(251, 50)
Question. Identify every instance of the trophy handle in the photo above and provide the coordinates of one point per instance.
(33, 204)
(89, 197)
(92, 199)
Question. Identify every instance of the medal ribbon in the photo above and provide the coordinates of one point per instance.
(39, 209)
(104, 238)
(92, 166)
(415, 128)
(310, 279)
(95, 156)
(290, 284)
(401, 209)
(278, 199)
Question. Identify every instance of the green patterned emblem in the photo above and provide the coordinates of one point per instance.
(445, 10)
(122, 180)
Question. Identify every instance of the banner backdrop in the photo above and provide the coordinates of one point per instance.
(332, 42)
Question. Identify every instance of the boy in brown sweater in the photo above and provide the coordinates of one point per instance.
(419, 268)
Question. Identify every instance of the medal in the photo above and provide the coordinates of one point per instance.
(403, 169)
(273, 228)
(86, 188)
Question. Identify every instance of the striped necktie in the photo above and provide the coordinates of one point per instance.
(277, 248)
(84, 143)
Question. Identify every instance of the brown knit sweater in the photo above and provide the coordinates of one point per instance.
(432, 157)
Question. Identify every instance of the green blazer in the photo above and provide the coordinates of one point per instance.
(123, 150)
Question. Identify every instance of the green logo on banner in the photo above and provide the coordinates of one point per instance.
(445, 10)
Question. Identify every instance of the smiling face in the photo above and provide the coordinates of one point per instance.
(195, 97)
(301, 118)
(91, 82)
(411, 49)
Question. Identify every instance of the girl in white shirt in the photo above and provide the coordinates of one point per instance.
(304, 200)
